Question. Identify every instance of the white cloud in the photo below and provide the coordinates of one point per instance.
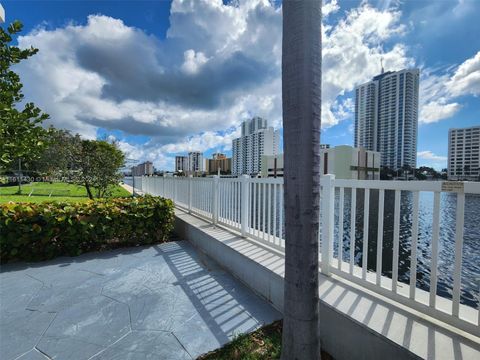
(435, 111)
(466, 79)
(428, 155)
(428, 158)
(438, 92)
(219, 64)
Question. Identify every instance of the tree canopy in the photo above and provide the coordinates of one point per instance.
(98, 163)
(21, 134)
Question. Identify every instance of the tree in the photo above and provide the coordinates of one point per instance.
(59, 157)
(301, 90)
(386, 173)
(98, 163)
(21, 135)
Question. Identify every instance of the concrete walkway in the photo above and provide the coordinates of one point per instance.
(160, 302)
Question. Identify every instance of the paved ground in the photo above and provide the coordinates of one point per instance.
(159, 302)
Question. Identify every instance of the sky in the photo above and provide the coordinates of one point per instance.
(166, 77)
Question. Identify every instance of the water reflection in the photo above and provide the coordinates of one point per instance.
(448, 201)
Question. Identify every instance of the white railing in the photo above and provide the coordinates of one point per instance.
(254, 208)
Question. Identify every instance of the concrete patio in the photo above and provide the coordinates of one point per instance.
(161, 302)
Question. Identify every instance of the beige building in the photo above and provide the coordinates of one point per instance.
(345, 162)
(218, 161)
(272, 166)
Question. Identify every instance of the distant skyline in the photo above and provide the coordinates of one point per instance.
(165, 78)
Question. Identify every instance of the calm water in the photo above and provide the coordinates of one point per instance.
(128, 180)
(471, 246)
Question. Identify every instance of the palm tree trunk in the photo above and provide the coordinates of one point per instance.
(301, 87)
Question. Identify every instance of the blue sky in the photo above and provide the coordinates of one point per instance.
(164, 79)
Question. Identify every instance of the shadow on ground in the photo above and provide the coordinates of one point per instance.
(164, 302)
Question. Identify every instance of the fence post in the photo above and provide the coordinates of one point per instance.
(327, 212)
(215, 200)
(174, 189)
(190, 185)
(245, 196)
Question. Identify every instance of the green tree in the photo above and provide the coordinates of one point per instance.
(97, 164)
(59, 157)
(21, 135)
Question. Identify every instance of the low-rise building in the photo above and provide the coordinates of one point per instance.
(345, 162)
(272, 166)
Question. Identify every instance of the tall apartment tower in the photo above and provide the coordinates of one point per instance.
(257, 140)
(386, 117)
(464, 154)
(181, 164)
(195, 162)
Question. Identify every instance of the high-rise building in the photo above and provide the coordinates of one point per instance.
(145, 168)
(195, 162)
(464, 154)
(257, 139)
(218, 162)
(386, 117)
(218, 156)
(181, 164)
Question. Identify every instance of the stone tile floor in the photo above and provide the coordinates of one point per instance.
(161, 302)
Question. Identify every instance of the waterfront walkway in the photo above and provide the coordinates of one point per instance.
(162, 302)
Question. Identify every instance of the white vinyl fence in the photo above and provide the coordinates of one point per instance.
(355, 212)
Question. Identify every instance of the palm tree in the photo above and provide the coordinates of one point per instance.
(301, 87)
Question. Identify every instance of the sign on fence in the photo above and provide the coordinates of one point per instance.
(453, 186)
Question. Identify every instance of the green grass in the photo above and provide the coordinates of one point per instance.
(60, 192)
(263, 344)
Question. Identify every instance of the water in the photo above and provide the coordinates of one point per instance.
(471, 247)
(470, 280)
(128, 180)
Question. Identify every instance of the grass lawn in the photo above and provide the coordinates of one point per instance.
(263, 344)
(58, 191)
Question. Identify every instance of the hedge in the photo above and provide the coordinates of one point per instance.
(34, 232)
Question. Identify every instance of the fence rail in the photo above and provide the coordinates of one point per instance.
(354, 212)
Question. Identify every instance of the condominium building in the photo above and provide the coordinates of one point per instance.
(181, 164)
(345, 162)
(218, 162)
(195, 162)
(464, 154)
(257, 140)
(142, 169)
(386, 117)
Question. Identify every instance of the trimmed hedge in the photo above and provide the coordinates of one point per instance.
(34, 232)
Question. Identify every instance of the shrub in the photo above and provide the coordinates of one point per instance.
(34, 232)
